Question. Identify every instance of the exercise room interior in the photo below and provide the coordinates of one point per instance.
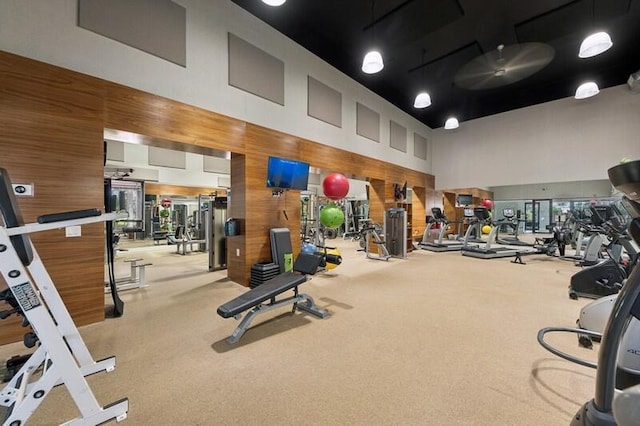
(224, 155)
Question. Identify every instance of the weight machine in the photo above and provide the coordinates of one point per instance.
(395, 232)
(371, 232)
(62, 357)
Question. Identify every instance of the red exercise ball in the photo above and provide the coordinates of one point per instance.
(487, 203)
(335, 186)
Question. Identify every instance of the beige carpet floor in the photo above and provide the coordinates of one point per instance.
(436, 339)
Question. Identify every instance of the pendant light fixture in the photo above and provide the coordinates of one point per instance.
(587, 90)
(451, 123)
(372, 62)
(596, 43)
(274, 2)
(423, 99)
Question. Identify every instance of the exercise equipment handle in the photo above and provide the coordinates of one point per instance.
(565, 355)
(608, 355)
(38, 227)
(76, 214)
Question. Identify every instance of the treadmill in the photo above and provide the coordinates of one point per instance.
(473, 234)
(489, 250)
(509, 220)
(441, 245)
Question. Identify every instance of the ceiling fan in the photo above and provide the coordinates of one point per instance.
(504, 66)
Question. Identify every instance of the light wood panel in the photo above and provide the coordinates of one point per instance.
(236, 245)
(51, 136)
(419, 202)
(139, 112)
(53, 121)
(263, 210)
(455, 213)
(185, 191)
(479, 194)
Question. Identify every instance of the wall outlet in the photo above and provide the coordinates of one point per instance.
(238, 252)
(73, 231)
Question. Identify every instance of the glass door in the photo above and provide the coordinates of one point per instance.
(537, 214)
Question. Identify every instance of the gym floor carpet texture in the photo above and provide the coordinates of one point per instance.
(436, 339)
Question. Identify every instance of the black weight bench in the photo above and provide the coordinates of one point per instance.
(255, 298)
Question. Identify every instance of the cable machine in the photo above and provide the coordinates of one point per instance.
(216, 216)
(395, 231)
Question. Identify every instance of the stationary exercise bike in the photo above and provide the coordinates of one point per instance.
(620, 343)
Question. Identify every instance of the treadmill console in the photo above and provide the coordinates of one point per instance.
(468, 213)
(508, 213)
(437, 213)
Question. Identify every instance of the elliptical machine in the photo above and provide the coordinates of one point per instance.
(620, 346)
(605, 277)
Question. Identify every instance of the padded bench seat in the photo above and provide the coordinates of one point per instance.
(253, 300)
(266, 291)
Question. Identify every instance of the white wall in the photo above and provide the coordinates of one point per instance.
(136, 157)
(562, 190)
(559, 141)
(46, 30)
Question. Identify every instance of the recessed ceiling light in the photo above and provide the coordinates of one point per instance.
(274, 2)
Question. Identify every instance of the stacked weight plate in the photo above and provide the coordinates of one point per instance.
(261, 272)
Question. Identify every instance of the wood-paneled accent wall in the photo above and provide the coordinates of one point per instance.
(478, 194)
(184, 191)
(450, 198)
(52, 125)
(53, 121)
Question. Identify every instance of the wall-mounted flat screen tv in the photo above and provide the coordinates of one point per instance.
(465, 199)
(283, 173)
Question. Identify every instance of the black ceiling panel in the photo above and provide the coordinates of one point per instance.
(426, 42)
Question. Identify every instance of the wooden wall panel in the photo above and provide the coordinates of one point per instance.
(237, 265)
(263, 210)
(51, 122)
(418, 206)
(185, 191)
(450, 199)
(339, 160)
(52, 129)
(377, 197)
(478, 193)
(139, 112)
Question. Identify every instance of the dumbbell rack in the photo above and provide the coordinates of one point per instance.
(62, 357)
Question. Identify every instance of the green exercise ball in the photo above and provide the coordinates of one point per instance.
(331, 216)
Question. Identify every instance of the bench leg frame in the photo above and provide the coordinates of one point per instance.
(299, 301)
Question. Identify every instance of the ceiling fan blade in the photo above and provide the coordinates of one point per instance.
(500, 68)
